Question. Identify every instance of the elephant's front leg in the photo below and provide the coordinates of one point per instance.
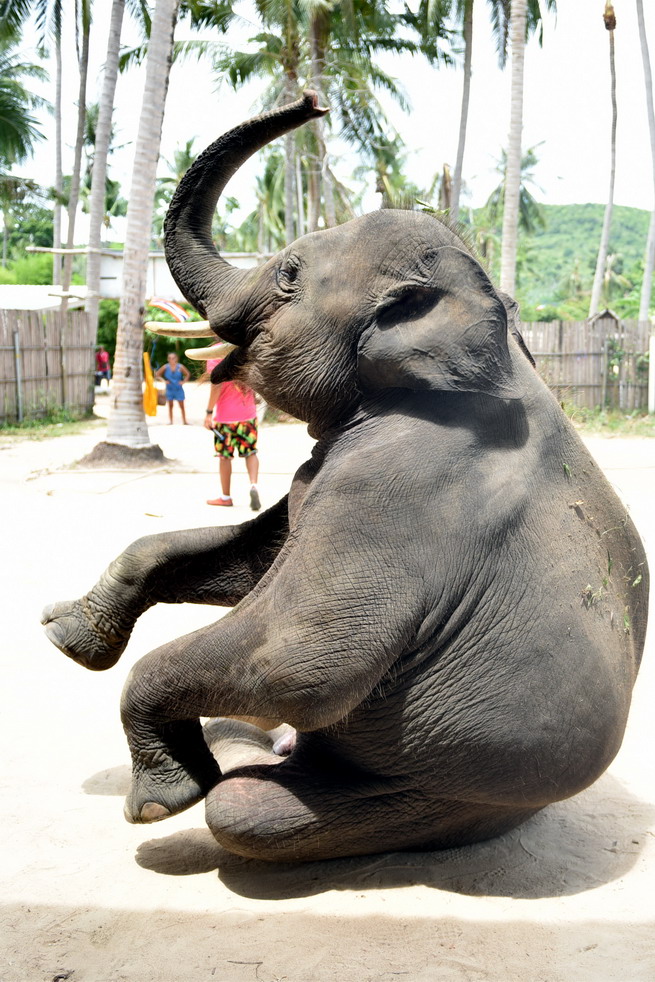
(286, 653)
(216, 565)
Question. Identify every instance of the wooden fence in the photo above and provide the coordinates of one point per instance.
(45, 364)
(601, 362)
(46, 361)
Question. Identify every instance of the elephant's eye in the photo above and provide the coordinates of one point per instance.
(287, 273)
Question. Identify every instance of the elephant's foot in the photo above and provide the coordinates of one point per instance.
(235, 743)
(94, 630)
(85, 632)
(171, 777)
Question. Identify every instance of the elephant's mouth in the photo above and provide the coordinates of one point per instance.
(229, 369)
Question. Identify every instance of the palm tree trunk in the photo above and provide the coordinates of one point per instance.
(99, 174)
(300, 224)
(289, 170)
(601, 261)
(649, 259)
(463, 119)
(77, 164)
(513, 173)
(59, 178)
(319, 33)
(127, 423)
(313, 195)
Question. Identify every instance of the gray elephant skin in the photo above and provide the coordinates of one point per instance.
(449, 606)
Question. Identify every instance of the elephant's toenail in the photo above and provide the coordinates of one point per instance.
(46, 613)
(152, 811)
(54, 633)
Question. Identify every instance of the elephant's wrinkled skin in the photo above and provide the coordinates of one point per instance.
(449, 608)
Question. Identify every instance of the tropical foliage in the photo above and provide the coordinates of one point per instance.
(562, 260)
(339, 48)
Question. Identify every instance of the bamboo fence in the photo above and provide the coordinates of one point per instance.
(46, 362)
(599, 362)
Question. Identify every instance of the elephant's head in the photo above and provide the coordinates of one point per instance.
(389, 300)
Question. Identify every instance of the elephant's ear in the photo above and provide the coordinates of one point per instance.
(450, 337)
(514, 324)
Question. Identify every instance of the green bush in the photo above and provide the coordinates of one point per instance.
(6, 276)
(108, 325)
(34, 269)
(157, 346)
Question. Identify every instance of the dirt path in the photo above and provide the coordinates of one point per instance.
(568, 898)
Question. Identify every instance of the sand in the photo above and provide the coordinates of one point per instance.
(87, 897)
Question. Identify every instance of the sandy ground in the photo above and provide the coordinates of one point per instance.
(87, 897)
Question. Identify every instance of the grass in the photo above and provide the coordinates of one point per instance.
(54, 422)
(611, 422)
(601, 422)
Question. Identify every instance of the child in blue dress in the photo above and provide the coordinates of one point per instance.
(175, 375)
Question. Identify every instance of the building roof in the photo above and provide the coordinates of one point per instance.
(30, 297)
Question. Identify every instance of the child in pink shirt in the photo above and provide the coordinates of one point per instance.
(232, 416)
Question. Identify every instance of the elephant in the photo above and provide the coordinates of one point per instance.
(448, 607)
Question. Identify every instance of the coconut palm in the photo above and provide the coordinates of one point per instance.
(518, 27)
(500, 10)
(183, 157)
(15, 193)
(18, 128)
(530, 213)
(127, 425)
(609, 19)
(48, 18)
(82, 37)
(165, 187)
(344, 41)
(465, 8)
(103, 129)
(649, 259)
(330, 46)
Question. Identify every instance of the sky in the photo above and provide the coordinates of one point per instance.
(566, 113)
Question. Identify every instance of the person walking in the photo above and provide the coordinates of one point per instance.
(231, 415)
(103, 369)
(175, 376)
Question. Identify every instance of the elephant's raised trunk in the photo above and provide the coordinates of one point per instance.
(210, 283)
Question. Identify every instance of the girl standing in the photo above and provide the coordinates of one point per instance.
(175, 375)
(232, 416)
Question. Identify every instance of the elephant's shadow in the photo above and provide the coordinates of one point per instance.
(569, 847)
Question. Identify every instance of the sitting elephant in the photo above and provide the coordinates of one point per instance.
(449, 606)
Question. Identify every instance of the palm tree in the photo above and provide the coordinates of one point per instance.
(466, 9)
(165, 186)
(18, 128)
(344, 39)
(102, 141)
(649, 259)
(518, 27)
(609, 19)
(530, 213)
(83, 28)
(48, 15)
(127, 425)
(500, 10)
(330, 45)
(14, 193)
(388, 160)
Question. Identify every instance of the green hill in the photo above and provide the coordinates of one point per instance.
(556, 264)
(571, 238)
